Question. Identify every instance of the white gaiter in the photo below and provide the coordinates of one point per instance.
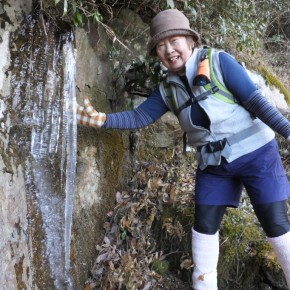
(281, 246)
(205, 254)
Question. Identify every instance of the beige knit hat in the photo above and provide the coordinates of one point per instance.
(168, 23)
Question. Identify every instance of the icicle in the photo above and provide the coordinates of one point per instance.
(43, 102)
(69, 145)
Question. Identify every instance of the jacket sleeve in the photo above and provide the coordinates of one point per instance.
(133, 119)
(259, 106)
(147, 113)
(246, 92)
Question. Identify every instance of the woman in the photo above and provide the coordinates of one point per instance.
(231, 124)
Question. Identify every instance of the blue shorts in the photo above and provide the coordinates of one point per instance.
(261, 172)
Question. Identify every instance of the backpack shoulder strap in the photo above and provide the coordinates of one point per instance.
(222, 93)
(213, 86)
(171, 97)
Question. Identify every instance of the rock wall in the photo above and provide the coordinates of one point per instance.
(15, 244)
(102, 156)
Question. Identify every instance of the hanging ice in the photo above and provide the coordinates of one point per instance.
(54, 132)
(42, 109)
(69, 143)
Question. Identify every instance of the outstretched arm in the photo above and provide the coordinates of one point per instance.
(147, 113)
(133, 119)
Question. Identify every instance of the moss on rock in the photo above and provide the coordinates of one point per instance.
(271, 79)
(247, 260)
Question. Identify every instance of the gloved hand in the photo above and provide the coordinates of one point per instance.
(88, 116)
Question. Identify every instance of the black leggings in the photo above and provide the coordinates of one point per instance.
(272, 217)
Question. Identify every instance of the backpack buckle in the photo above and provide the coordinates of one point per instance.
(215, 146)
(215, 89)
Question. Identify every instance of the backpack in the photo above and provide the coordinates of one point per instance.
(205, 77)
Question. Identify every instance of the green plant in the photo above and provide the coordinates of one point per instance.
(76, 10)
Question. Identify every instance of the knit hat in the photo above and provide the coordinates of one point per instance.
(167, 23)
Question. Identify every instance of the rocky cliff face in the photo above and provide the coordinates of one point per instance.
(15, 245)
(34, 73)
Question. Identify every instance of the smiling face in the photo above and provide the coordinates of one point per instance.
(174, 51)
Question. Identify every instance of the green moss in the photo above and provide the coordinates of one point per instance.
(182, 215)
(264, 254)
(244, 251)
(160, 267)
(274, 81)
(113, 152)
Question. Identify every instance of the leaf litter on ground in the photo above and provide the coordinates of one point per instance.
(129, 250)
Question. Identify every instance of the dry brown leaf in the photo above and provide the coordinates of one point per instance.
(186, 264)
(126, 260)
(101, 258)
(151, 217)
(173, 193)
(133, 243)
(111, 266)
(126, 264)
